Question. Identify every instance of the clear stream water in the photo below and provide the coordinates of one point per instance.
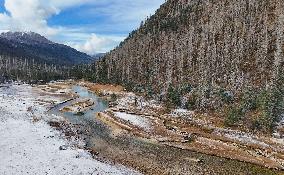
(89, 115)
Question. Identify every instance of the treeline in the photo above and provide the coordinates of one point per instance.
(27, 70)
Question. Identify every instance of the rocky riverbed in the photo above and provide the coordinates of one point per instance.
(29, 145)
(134, 132)
(186, 130)
(132, 117)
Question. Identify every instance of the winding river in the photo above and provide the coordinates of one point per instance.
(143, 155)
(99, 106)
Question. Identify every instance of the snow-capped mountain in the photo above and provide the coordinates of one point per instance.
(26, 37)
(30, 45)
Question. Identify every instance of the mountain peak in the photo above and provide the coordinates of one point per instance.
(26, 37)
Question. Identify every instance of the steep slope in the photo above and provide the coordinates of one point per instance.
(36, 47)
(210, 46)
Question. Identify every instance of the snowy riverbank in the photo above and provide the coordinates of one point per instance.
(30, 146)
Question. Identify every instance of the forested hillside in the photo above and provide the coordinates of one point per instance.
(24, 69)
(31, 57)
(206, 54)
(13, 68)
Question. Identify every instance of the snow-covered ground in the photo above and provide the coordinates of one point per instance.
(32, 147)
(134, 120)
(141, 103)
(182, 113)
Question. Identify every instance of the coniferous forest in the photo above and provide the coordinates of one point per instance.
(207, 55)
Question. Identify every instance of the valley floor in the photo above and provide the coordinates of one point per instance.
(191, 132)
(132, 135)
(28, 145)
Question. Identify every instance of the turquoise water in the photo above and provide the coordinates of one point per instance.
(89, 115)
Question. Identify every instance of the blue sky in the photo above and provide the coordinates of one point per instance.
(2, 8)
(91, 26)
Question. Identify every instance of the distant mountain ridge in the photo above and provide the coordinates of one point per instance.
(98, 56)
(26, 37)
(30, 45)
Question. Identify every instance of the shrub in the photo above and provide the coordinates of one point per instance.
(129, 86)
(234, 115)
(113, 97)
(268, 103)
(226, 96)
(149, 92)
(191, 103)
(256, 125)
(186, 88)
(174, 96)
(249, 100)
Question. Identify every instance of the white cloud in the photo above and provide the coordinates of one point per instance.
(28, 15)
(98, 44)
(32, 15)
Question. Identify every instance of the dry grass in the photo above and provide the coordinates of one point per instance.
(97, 88)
